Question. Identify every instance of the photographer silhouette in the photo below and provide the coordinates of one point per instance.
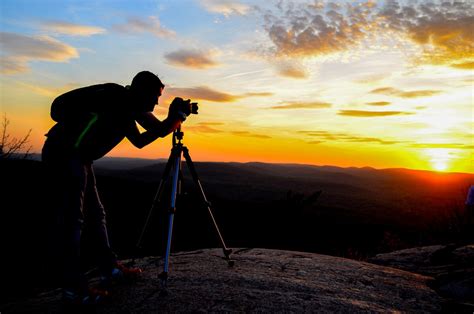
(91, 121)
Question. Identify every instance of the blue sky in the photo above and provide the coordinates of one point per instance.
(365, 83)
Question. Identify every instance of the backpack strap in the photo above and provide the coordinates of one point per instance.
(91, 122)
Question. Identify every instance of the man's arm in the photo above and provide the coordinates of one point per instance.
(154, 129)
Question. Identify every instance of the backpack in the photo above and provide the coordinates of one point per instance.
(83, 101)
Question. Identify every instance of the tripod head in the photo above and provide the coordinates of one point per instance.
(177, 136)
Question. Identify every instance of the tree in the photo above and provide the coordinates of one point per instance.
(13, 147)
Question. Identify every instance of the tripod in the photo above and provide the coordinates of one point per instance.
(173, 174)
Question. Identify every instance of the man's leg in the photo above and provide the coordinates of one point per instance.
(109, 267)
(97, 226)
(71, 188)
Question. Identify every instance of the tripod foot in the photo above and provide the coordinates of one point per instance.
(227, 253)
(164, 283)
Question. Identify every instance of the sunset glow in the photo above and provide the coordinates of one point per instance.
(347, 83)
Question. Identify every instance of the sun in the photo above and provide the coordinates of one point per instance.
(440, 165)
(439, 158)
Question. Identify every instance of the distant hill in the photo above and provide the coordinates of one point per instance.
(348, 212)
(382, 193)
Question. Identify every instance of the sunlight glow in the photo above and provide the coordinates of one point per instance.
(363, 85)
(439, 158)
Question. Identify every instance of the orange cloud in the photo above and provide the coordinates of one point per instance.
(307, 29)
(464, 65)
(365, 113)
(258, 94)
(66, 28)
(293, 71)
(404, 94)
(18, 50)
(378, 103)
(151, 25)
(303, 105)
(193, 59)
(225, 7)
(202, 93)
(443, 145)
(204, 127)
(418, 93)
(324, 136)
(206, 93)
(443, 28)
(248, 134)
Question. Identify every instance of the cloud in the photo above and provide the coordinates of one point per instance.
(443, 29)
(202, 93)
(65, 28)
(325, 136)
(371, 79)
(18, 50)
(193, 59)
(404, 94)
(225, 7)
(378, 103)
(248, 134)
(292, 70)
(41, 90)
(368, 114)
(463, 65)
(303, 105)
(318, 137)
(206, 93)
(12, 65)
(150, 25)
(243, 74)
(258, 94)
(371, 140)
(315, 142)
(443, 145)
(205, 127)
(309, 30)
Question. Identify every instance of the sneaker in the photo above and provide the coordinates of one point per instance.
(120, 273)
(91, 297)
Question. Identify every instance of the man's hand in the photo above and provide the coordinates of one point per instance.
(175, 105)
(181, 108)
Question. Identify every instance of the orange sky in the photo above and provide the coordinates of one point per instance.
(365, 83)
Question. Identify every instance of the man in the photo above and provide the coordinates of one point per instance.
(90, 122)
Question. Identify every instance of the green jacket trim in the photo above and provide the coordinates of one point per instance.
(93, 120)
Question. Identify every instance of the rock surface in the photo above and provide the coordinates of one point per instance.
(261, 280)
(451, 266)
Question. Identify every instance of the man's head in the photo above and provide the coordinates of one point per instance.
(146, 88)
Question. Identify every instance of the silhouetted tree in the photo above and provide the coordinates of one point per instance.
(10, 147)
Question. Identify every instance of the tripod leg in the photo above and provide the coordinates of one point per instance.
(157, 197)
(175, 189)
(192, 169)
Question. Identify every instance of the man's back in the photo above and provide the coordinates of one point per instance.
(90, 120)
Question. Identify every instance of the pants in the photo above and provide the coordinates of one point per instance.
(77, 204)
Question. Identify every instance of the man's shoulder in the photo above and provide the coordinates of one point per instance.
(110, 87)
(109, 91)
(96, 88)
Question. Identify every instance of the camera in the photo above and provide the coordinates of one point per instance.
(185, 106)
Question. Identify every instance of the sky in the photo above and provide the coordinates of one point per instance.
(383, 84)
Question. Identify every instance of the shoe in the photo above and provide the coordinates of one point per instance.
(90, 297)
(120, 273)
